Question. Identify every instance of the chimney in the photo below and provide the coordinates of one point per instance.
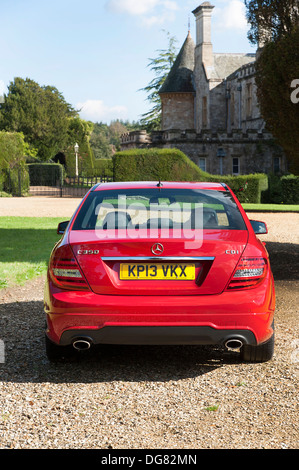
(203, 15)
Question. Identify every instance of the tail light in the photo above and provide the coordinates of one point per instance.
(249, 273)
(64, 270)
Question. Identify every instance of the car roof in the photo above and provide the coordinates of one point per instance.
(164, 184)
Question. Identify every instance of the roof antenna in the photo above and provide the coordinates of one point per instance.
(188, 24)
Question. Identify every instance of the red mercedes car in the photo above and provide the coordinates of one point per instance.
(160, 263)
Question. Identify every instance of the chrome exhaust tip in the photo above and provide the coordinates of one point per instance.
(81, 344)
(234, 344)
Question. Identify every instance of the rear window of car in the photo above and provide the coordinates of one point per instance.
(143, 208)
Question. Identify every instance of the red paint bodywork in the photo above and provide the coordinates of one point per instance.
(110, 302)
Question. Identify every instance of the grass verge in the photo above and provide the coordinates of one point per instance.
(25, 247)
(270, 207)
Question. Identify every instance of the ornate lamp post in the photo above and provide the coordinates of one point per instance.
(76, 153)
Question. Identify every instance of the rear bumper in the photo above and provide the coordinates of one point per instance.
(247, 315)
(157, 335)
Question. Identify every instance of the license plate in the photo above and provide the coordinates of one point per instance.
(173, 271)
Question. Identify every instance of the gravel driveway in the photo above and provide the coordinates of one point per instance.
(148, 397)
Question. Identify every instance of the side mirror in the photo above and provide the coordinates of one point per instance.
(62, 226)
(259, 227)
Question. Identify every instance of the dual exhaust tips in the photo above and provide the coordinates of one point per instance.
(232, 344)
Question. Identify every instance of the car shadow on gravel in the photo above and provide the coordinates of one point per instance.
(284, 259)
(25, 360)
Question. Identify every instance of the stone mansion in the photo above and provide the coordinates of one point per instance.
(210, 110)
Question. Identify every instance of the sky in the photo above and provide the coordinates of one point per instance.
(96, 52)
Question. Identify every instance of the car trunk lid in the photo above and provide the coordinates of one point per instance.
(181, 266)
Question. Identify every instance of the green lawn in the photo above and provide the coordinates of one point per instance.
(25, 247)
(271, 207)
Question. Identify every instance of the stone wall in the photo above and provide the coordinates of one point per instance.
(177, 110)
(253, 152)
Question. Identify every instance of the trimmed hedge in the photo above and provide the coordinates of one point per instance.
(290, 189)
(174, 165)
(15, 181)
(14, 177)
(45, 174)
(154, 164)
(282, 190)
(273, 193)
(103, 167)
(247, 188)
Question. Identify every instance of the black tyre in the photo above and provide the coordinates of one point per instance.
(56, 353)
(261, 353)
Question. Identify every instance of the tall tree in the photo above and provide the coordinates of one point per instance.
(160, 66)
(40, 112)
(99, 141)
(271, 19)
(105, 138)
(275, 25)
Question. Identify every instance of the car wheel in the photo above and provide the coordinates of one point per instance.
(56, 353)
(261, 353)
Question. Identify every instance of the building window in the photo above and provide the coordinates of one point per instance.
(249, 100)
(236, 165)
(204, 112)
(276, 164)
(202, 163)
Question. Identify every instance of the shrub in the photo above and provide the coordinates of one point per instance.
(282, 190)
(103, 167)
(155, 164)
(45, 174)
(273, 193)
(1, 179)
(14, 177)
(15, 181)
(174, 165)
(290, 189)
(247, 188)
